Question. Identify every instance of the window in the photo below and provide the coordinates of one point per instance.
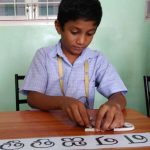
(28, 9)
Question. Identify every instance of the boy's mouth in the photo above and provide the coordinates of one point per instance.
(78, 48)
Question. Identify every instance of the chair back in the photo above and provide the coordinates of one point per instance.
(19, 100)
(147, 93)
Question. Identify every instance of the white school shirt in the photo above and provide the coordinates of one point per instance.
(43, 75)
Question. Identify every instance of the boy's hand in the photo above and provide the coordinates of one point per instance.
(108, 117)
(76, 111)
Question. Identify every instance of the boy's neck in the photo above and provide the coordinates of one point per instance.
(72, 58)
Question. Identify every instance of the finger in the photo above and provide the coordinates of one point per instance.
(115, 123)
(107, 121)
(100, 116)
(118, 121)
(110, 118)
(77, 115)
(92, 117)
(69, 113)
(84, 115)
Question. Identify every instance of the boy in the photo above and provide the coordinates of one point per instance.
(64, 76)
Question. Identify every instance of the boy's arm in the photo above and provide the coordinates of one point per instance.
(72, 107)
(110, 113)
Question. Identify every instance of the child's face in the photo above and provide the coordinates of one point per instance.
(76, 35)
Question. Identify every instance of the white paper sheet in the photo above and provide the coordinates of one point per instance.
(78, 142)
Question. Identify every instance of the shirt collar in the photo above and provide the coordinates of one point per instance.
(86, 54)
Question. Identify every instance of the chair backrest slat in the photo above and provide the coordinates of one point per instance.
(19, 101)
(147, 93)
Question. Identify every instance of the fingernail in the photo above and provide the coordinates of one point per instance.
(102, 130)
(97, 130)
(91, 118)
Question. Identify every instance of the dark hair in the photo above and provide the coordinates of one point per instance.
(79, 9)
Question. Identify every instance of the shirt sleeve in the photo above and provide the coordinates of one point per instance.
(36, 78)
(108, 80)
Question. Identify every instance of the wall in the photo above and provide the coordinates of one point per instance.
(123, 37)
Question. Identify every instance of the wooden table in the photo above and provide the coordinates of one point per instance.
(26, 124)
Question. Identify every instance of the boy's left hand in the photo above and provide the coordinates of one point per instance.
(109, 116)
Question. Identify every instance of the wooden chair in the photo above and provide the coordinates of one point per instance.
(147, 93)
(19, 100)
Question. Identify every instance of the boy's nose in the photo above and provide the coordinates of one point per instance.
(81, 40)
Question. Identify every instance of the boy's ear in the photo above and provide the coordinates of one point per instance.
(58, 26)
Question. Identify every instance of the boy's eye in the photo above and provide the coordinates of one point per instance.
(74, 32)
(90, 33)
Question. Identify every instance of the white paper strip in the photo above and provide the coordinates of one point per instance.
(78, 142)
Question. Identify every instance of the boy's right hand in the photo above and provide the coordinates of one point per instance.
(73, 107)
(76, 111)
